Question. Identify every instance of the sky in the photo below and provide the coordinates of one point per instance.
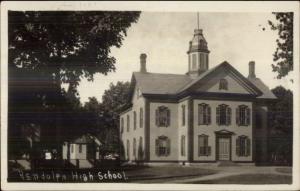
(164, 36)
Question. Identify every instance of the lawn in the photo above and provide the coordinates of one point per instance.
(160, 174)
(250, 179)
(284, 170)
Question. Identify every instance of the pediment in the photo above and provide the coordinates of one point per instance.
(224, 132)
(236, 83)
(233, 85)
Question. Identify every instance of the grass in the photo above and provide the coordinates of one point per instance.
(284, 170)
(251, 179)
(160, 174)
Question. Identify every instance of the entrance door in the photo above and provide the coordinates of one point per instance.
(224, 149)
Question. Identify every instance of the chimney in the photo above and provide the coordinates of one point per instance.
(251, 69)
(143, 63)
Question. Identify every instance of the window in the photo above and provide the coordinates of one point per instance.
(204, 114)
(223, 85)
(138, 93)
(80, 148)
(128, 149)
(204, 149)
(134, 147)
(243, 146)
(206, 56)
(140, 149)
(182, 145)
(223, 115)
(72, 148)
(122, 124)
(194, 61)
(162, 116)
(162, 145)
(134, 120)
(128, 123)
(141, 117)
(183, 114)
(243, 115)
(201, 61)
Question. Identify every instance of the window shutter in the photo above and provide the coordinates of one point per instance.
(199, 145)
(228, 116)
(248, 116)
(248, 147)
(208, 151)
(237, 144)
(200, 114)
(218, 115)
(157, 147)
(205, 141)
(237, 116)
(168, 117)
(157, 117)
(208, 115)
(168, 147)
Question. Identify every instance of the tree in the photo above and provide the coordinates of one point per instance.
(282, 111)
(113, 100)
(283, 55)
(47, 49)
(281, 123)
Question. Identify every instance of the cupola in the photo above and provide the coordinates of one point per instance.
(198, 54)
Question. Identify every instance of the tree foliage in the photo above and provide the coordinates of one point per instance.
(282, 111)
(283, 56)
(49, 48)
(103, 118)
(113, 100)
(281, 127)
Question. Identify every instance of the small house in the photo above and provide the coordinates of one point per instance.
(82, 151)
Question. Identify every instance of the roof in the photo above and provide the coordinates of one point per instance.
(173, 84)
(87, 139)
(156, 83)
(267, 93)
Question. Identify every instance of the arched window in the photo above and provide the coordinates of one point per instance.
(223, 115)
(162, 116)
(194, 61)
(243, 146)
(140, 149)
(204, 114)
(138, 93)
(141, 117)
(206, 58)
(243, 115)
(202, 61)
(128, 149)
(183, 115)
(203, 148)
(128, 123)
(182, 145)
(122, 125)
(134, 147)
(134, 120)
(223, 85)
(162, 146)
